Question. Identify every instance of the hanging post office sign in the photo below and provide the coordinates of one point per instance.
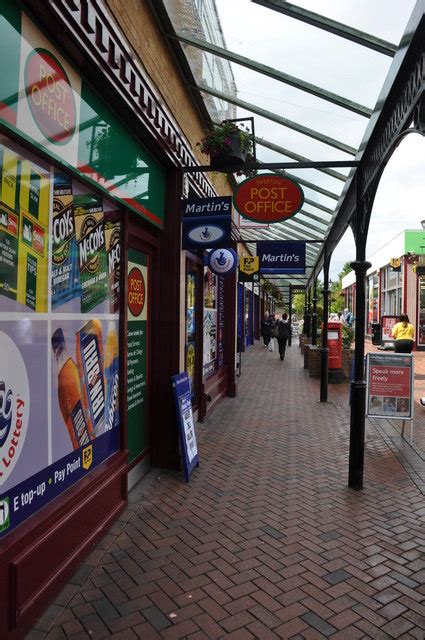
(281, 257)
(268, 198)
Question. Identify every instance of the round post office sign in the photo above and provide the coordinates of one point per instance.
(268, 198)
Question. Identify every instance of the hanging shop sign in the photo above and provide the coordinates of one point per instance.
(206, 223)
(268, 198)
(281, 257)
(189, 448)
(222, 262)
(395, 264)
(204, 207)
(45, 100)
(389, 385)
(249, 269)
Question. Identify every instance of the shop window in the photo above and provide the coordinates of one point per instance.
(210, 361)
(59, 303)
(191, 332)
(391, 292)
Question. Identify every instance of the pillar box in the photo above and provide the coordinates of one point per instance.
(335, 351)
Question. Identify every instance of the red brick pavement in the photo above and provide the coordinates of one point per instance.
(266, 541)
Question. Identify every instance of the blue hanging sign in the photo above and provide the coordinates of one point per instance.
(206, 233)
(189, 448)
(281, 257)
(205, 207)
(207, 223)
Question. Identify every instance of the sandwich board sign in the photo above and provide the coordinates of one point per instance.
(182, 398)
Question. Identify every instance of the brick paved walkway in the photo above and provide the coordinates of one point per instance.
(266, 541)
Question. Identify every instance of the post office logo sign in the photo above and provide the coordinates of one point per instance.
(50, 96)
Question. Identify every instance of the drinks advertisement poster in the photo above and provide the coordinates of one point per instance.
(389, 385)
(59, 316)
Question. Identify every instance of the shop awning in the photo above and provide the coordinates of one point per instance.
(312, 82)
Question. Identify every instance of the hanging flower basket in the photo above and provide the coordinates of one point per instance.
(228, 146)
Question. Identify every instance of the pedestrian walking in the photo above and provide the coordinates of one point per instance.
(266, 328)
(283, 334)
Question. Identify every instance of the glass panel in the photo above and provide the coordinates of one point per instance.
(59, 307)
(191, 329)
(210, 323)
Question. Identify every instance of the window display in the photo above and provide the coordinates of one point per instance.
(59, 298)
(210, 323)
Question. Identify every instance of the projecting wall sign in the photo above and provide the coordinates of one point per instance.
(281, 257)
(223, 261)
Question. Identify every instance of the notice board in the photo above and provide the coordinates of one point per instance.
(189, 448)
(389, 385)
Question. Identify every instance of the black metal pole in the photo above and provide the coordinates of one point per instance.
(314, 320)
(308, 315)
(358, 385)
(310, 164)
(324, 364)
(290, 316)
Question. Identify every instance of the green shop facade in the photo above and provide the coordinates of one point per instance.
(92, 281)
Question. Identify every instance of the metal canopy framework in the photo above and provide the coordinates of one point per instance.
(312, 81)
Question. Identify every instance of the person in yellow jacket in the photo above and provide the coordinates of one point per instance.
(403, 333)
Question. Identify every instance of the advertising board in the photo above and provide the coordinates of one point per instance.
(59, 370)
(389, 385)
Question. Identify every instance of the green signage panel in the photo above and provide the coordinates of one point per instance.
(137, 310)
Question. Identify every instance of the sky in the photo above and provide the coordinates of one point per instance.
(399, 203)
(342, 67)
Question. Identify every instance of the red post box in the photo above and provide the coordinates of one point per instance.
(334, 344)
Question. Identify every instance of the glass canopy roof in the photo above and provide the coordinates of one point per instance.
(310, 80)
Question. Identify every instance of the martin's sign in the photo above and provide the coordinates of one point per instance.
(281, 257)
(207, 223)
(202, 207)
(268, 198)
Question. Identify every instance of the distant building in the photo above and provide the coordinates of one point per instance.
(395, 284)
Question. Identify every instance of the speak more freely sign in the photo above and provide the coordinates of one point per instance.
(281, 257)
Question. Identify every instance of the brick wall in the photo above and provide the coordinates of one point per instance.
(141, 31)
(314, 361)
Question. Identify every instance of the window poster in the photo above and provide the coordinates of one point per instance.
(190, 351)
(220, 305)
(137, 329)
(59, 315)
(210, 323)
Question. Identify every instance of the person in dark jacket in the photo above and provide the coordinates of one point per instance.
(266, 326)
(283, 334)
